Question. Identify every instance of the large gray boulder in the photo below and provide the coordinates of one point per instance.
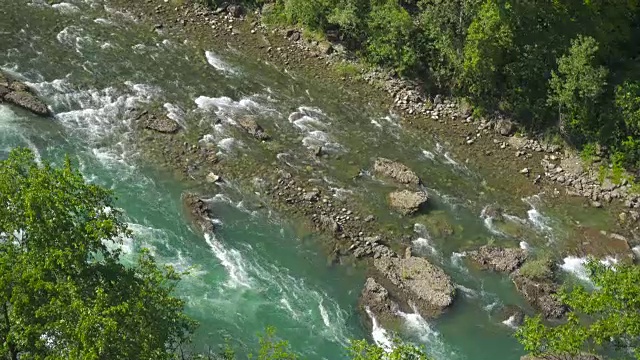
(407, 202)
(396, 171)
(19, 94)
(159, 123)
(377, 299)
(416, 281)
(498, 259)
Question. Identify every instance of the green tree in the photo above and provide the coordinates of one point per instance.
(485, 53)
(577, 86)
(362, 350)
(607, 316)
(64, 294)
(390, 41)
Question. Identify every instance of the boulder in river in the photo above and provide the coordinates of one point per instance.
(407, 202)
(249, 124)
(376, 299)
(199, 210)
(417, 282)
(498, 259)
(396, 171)
(19, 94)
(541, 294)
(160, 123)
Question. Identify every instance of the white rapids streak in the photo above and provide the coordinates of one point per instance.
(379, 334)
(232, 262)
(217, 63)
(511, 322)
(576, 266)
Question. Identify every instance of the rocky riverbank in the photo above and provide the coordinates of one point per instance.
(397, 283)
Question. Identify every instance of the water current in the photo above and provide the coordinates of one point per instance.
(93, 64)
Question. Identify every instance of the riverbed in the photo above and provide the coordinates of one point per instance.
(96, 65)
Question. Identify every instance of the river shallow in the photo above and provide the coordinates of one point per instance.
(94, 65)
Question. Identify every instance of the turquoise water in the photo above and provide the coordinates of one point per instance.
(94, 65)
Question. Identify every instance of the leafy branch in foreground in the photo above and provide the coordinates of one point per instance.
(607, 317)
(64, 294)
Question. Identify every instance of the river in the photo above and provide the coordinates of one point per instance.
(93, 64)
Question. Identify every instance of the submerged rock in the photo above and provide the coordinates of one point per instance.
(418, 282)
(498, 259)
(19, 94)
(249, 124)
(162, 124)
(397, 171)
(199, 211)
(541, 294)
(407, 202)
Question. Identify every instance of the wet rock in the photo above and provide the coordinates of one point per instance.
(249, 124)
(397, 171)
(407, 202)
(541, 294)
(199, 211)
(19, 94)
(213, 178)
(377, 299)
(498, 259)
(369, 218)
(159, 123)
(513, 316)
(418, 282)
(494, 212)
(505, 127)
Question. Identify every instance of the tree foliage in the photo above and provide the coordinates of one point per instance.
(64, 294)
(607, 316)
(567, 66)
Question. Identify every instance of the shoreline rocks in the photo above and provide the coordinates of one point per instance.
(19, 94)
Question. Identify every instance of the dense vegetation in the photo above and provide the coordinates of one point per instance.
(65, 294)
(606, 317)
(567, 67)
